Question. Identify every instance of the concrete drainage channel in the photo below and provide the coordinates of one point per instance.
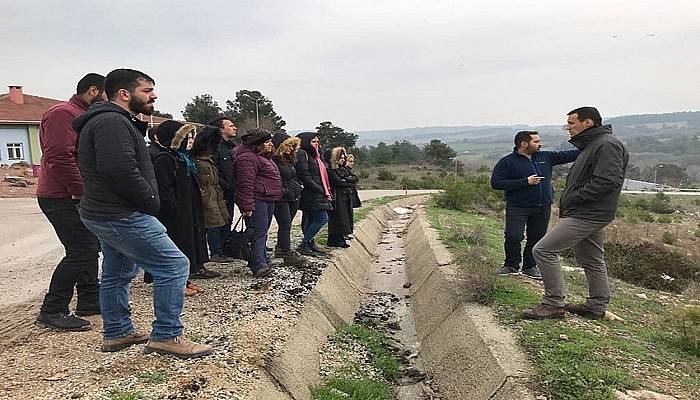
(462, 348)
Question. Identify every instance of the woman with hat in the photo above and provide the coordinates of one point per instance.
(258, 187)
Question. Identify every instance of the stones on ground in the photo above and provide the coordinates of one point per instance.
(407, 285)
(642, 296)
(563, 337)
(642, 395)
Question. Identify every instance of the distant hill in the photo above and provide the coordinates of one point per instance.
(688, 118)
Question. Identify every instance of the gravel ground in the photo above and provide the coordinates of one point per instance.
(244, 318)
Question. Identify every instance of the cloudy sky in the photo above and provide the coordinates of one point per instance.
(371, 64)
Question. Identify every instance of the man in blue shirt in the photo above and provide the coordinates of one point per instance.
(526, 177)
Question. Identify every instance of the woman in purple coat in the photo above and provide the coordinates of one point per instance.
(258, 187)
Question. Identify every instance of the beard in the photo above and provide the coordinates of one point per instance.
(138, 106)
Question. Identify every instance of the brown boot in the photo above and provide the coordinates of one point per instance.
(543, 311)
(110, 345)
(179, 347)
(583, 310)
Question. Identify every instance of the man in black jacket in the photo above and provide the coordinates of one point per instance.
(120, 199)
(526, 177)
(223, 158)
(588, 203)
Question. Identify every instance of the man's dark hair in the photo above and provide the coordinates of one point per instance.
(206, 142)
(219, 122)
(524, 136)
(585, 113)
(89, 80)
(124, 78)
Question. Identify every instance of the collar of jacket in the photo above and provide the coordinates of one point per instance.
(590, 135)
(228, 143)
(78, 101)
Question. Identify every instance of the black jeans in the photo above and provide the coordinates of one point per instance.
(78, 268)
(284, 215)
(534, 221)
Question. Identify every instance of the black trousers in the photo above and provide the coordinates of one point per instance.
(519, 220)
(285, 211)
(78, 268)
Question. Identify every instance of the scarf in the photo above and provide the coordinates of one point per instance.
(187, 159)
(324, 175)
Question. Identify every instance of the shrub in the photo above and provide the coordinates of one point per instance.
(425, 182)
(664, 219)
(697, 233)
(651, 265)
(384, 175)
(668, 238)
(470, 193)
(685, 322)
(363, 174)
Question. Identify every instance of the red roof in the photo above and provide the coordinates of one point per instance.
(31, 111)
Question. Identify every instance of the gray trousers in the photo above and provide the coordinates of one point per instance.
(586, 239)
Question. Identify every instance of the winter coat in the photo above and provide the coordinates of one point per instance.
(595, 180)
(312, 195)
(181, 206)
(257, 179)
(223, 159)
(117, 173)
(511, 172)
(291, 187)
(340, 219)
(59, 176)
(356, 202)
(215, 211)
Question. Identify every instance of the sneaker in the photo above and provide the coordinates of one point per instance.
(291, 258)
(532, 273)
(543, 311)
(218, 258)
(306, 250)
(508, 270)
(584, 311)
(179, 347)
(262, 272)
(62, 322)
(111, 345)
(205, 274)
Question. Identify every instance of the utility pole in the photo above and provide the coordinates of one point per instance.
(257, 110)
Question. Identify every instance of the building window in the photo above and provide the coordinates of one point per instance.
(14, 151)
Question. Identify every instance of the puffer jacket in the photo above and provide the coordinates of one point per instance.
(213, 202)
(115, 164)
(595, 180)
(312, 196)
(257, 179)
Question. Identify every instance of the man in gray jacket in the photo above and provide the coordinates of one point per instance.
(588, 203)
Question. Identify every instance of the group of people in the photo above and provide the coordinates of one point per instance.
(168, 207)
(587, 204)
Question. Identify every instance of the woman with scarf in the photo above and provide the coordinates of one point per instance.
(258, 187)
(316, 196)
(180, 199)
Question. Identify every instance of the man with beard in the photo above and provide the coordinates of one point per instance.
(58, 193)
(526, 177)
(119, 205)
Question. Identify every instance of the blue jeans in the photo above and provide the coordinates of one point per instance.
(260, 221)
(311, 224)
(140, 239)
(216, 237)
(534, 221)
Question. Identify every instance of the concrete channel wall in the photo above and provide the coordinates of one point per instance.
(454, 354)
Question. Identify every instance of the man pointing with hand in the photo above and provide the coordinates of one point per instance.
(526, 177)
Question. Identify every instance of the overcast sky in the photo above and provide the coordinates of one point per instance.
(371, 64)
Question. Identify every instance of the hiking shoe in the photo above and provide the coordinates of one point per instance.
(111, 345)
(305, 249)
(532, 273)
(318, 249)
(543, 311)
(178, 346)
(508, 270)
(204, 274)
(62, 322)
(291, 258)
(583, 310)
(218, 258)
(262, 272)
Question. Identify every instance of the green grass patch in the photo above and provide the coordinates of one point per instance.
(119, 394)
(654, 347)
(153, 377)
(338, 388)
(378, 345)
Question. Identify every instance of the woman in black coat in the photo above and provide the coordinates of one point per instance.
(181, 202)
(339, 220)
(356, 202)
(316, 196)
